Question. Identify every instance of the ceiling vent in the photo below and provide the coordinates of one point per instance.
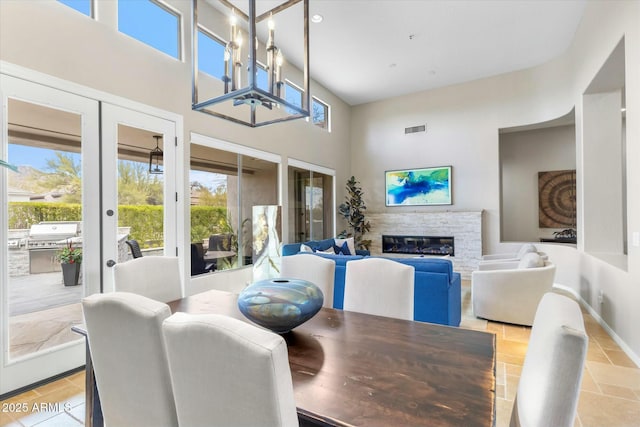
(415, 129)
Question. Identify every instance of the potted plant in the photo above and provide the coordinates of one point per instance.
(70, 260)
(353, 212)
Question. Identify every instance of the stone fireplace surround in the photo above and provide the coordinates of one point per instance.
(464, 226)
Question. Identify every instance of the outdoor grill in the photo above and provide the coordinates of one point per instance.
(45, 238)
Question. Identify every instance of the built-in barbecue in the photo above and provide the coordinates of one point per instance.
(44, 241)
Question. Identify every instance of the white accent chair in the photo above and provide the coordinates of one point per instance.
(226, 372)
(379, 286)
(155, 277)
(315, 269)
(549, 386)
(512, 291)
(129, 359)
(512, 256)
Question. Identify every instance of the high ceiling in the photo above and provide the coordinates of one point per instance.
(368, 50)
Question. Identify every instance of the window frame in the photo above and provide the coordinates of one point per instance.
(217, 39)
(179, 31)
(327, 113)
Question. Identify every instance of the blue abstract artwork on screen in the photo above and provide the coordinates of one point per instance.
(411, 187)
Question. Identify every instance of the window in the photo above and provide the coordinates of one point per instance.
(225, 188)
(210, 54)
(310, 203)
(82, 6)
(320, 114)
(262, 78)
(152, 23)
(293, 95)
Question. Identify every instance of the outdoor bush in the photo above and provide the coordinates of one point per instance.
(145, 220)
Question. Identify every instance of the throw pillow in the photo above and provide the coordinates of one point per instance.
(531, 260)
(305, 248)
(350, 244)
(342, 250)
(326, 251)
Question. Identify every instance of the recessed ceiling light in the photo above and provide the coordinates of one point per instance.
(316, 19)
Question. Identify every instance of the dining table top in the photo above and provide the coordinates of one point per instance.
(354, 369)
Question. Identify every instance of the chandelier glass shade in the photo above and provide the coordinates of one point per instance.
(263, 53)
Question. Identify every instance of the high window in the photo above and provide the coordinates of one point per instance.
(210, 54)
(320, 113)
(292, 94)
(83, 6)
(152, 23)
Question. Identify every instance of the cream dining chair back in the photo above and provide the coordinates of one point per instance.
(312, 268)
(226, 372)
(129, 359)
(379, 286)
(156, 277)
(549, 385)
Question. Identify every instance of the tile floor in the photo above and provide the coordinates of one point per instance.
(610, 394)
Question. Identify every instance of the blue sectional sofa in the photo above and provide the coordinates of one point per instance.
(437, 295)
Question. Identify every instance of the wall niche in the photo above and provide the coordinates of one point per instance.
(537, 200)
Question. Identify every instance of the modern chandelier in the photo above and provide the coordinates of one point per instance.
(257, 71)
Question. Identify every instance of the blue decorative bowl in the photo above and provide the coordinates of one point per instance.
(280, 304)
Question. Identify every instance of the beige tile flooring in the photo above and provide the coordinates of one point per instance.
(610, 394)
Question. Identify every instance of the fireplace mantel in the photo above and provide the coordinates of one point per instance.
(464, 226)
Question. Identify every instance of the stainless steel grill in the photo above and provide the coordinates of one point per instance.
(44, 240)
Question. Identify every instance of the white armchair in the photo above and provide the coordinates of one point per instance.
(156, 277)
(512, 292)
(512, 256)
(549, 385)
(317, 270)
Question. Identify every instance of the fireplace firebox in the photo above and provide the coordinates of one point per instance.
(418, 245)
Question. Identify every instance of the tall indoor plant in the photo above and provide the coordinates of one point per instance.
(70, 260)
(353, 212)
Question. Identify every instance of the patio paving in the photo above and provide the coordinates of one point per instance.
(35, 292)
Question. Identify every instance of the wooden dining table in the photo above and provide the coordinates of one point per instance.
(353, 369)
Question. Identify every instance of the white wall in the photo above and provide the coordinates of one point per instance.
(462, 131)
(49, 37)
(522, 155)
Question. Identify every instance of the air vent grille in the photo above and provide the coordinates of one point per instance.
(415, 129)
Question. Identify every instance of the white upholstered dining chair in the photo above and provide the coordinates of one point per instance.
(156, 277)
(549, 385)
(226, 372)
(129, 359)
(379, 286)
(312, 268)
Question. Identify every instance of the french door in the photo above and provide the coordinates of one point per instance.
(84, 162)
(52, 136)
(136, 203)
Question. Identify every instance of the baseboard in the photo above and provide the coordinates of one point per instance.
(623, 345)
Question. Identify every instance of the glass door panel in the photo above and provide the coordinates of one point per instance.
(47, 206)
(139, 198)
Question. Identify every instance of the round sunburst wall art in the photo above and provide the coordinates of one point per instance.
(557, 199)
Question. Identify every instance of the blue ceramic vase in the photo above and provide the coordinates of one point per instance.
(280, 304)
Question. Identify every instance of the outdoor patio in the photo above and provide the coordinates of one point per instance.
(41, 312)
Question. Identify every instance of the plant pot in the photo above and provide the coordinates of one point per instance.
(70, 273)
